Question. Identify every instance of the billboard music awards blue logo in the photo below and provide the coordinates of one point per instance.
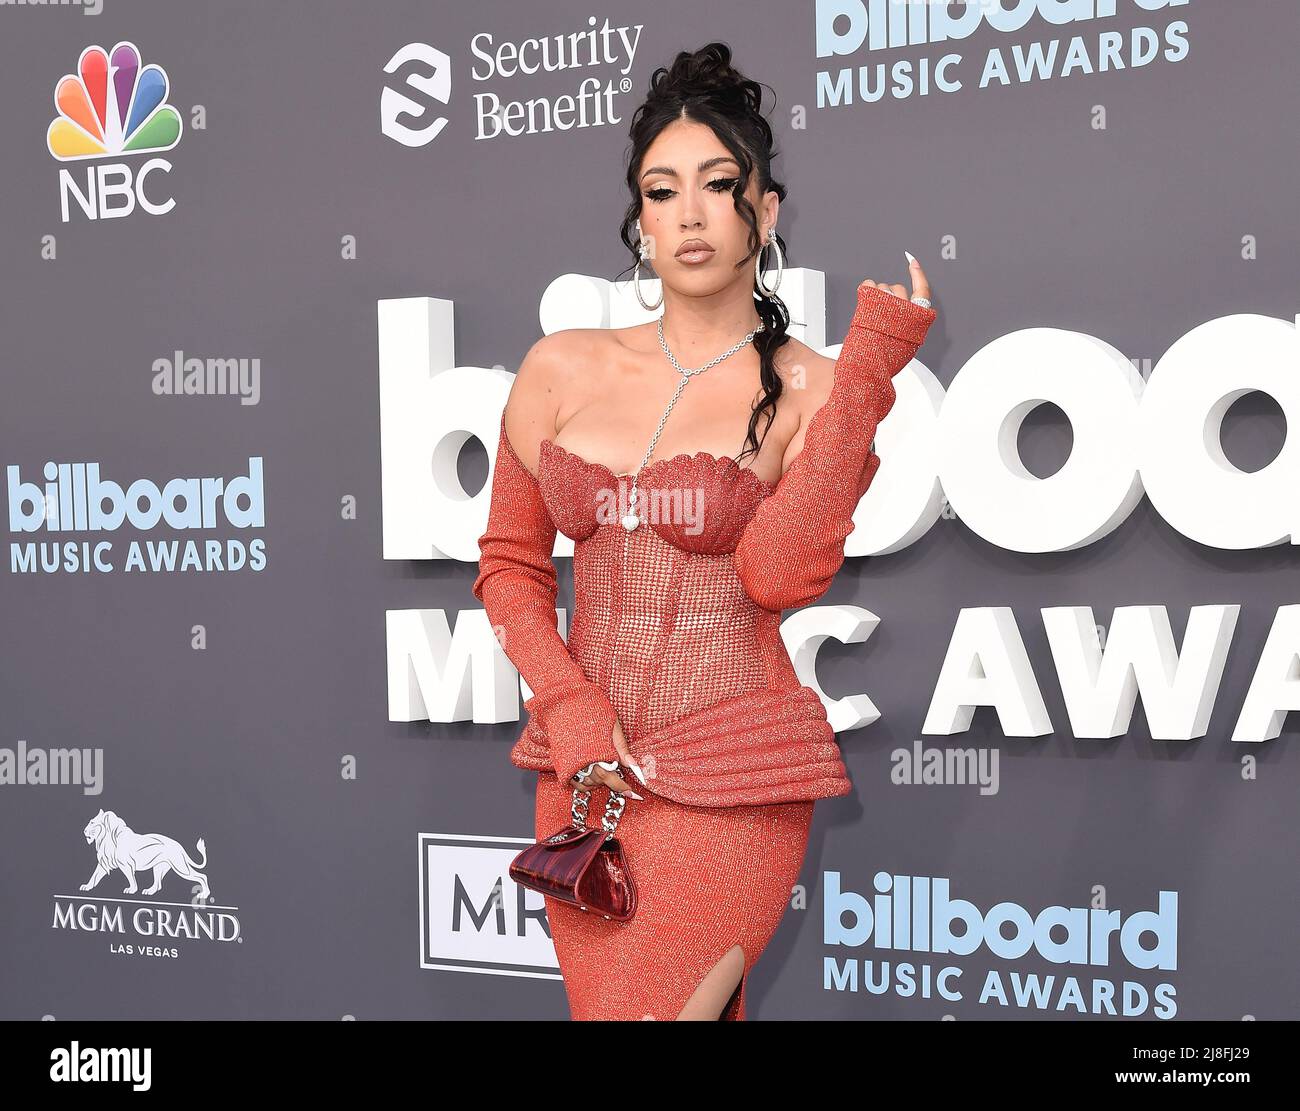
(76, 498)
(868, 29)
(916, 918)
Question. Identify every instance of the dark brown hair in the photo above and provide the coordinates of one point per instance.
(703, 86)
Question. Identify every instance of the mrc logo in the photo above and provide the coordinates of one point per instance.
(112, 107)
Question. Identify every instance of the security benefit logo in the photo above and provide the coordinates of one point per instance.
(112, 107)
(474, 917)
(69, 523)
(568, 80)
(145, 927)
(923, 941)
(420, 87)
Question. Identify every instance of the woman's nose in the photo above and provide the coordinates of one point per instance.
(692, 213)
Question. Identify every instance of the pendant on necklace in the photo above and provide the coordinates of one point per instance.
(630, 520)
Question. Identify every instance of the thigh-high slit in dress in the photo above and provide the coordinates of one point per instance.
(676, 635)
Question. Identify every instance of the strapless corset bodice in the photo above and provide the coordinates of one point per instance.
(698, 503)
(694, 668)
(661, 621)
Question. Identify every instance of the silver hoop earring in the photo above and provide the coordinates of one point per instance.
(636, 274)
(758, 265)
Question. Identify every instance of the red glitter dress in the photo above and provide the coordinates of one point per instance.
(676, 633)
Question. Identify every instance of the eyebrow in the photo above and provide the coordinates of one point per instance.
(707, 164)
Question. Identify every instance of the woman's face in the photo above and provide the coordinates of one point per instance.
(686, 180)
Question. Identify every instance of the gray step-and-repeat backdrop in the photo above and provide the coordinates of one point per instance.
(268, 268)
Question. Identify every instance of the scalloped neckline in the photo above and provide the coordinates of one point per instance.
(715, 460)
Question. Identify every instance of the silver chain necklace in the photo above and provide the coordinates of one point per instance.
(631, 519)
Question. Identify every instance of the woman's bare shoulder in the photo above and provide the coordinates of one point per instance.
(570, 357)
(556, 372)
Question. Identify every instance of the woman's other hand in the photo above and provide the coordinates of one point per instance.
(612, 779)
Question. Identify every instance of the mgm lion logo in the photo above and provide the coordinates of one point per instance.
(119, 848)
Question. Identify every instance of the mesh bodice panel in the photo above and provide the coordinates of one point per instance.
(666, 631)
(675, 632)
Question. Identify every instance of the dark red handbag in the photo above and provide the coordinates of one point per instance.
(581, 865)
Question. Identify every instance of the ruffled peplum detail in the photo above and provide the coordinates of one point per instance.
(764, 746)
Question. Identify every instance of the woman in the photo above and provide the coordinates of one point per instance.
(674, 668)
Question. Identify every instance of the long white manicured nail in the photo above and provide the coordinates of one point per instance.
(634, 795)
(640, 775)
(910, 259)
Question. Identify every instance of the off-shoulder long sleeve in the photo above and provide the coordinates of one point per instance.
(517, 585)
(792, 547)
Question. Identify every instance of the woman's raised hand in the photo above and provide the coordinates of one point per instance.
(920, 285)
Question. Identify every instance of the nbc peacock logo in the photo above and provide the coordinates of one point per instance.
(113, 106)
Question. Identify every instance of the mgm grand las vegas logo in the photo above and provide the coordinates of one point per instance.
(145, 927)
